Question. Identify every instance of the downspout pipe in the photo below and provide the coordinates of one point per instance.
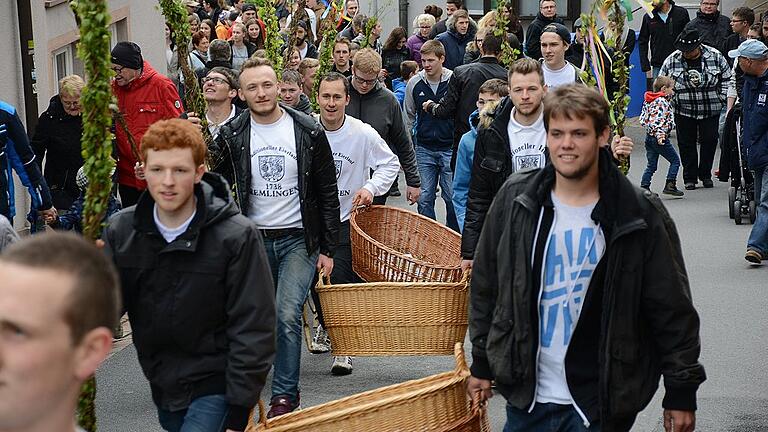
(29, 74)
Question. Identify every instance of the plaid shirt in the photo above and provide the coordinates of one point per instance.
(698, 94)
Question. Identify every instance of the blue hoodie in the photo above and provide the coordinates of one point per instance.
(398, 88)
(463, 171)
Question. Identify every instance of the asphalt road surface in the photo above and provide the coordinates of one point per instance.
(730, 295)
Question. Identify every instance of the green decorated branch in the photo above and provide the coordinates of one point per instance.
(272, 39)
(508, 54)
(370, 24)
(328, 27)
(94, 50)
(176, 16)
(615, 12)
(299, 15)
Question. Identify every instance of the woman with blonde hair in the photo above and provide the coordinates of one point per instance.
(57, 139)
(423, 25)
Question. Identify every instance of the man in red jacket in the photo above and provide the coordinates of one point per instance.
(144, 96)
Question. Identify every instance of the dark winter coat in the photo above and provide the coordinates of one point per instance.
(461, 99)
(439, 27)
(533, 35)
(57, 139)
(318, 195)
(637, 322)
(713, 29)
(202, 307)
(661, 35)
(455, 44)
(755, 111)
(390, 61)
(380, 109)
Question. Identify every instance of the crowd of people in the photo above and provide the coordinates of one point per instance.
(218, 245)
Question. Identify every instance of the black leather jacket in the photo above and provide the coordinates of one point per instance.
(318, 194)
(637, 322)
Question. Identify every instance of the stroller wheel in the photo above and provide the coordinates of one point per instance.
(752, 212)
(731, 199)
(737, 212)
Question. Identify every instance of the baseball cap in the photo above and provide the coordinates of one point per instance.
(751, 49)
(560, 30)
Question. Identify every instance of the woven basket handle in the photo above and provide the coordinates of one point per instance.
(322, 279)
(461, 362)
(465, 276)
(262, 414)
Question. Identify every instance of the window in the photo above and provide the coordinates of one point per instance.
(62, 64)
(474, 7)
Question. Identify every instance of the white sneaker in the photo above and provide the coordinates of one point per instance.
(320, 341)
(342, 365)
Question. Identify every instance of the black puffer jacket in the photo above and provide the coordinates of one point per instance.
(713, 29)
(461, 99)
(318, 195)
(202, 307)
(533, 35)
(661, 35)
(57, 138)
(637, 322)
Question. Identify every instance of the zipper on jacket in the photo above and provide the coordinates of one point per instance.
(538, 303)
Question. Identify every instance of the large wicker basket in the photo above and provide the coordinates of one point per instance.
(434, 404)
(396, 245)
(394, 318)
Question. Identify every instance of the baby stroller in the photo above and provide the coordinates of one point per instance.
(741, 202)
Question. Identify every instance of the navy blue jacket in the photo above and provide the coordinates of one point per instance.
(455, 44)
(430, 131)
(16, 154)
(755, 111)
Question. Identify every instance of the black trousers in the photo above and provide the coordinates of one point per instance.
(129, 195)
(697, 166)
(342, 267)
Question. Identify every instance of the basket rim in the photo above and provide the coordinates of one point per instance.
(321, 284)
(358, 230)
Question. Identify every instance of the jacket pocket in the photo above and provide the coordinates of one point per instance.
(501, 340)
(491, 164)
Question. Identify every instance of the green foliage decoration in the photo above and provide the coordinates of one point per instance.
(326, 49)
(272, 40)
(508, 54)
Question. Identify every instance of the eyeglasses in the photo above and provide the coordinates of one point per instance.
(118, 69)
(478, 40)
(734, 21)
(71, 104)
(425, 27)
(216, 80)
(709, 4)
(365, 81)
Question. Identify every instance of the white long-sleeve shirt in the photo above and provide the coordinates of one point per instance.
(357, 149)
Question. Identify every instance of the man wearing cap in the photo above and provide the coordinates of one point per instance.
(701, 76)
(752, 56)
(555, 40)
(144, 96)
(248, 13)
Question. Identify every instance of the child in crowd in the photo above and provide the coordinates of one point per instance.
(72, 219)
(408, 69)
(489, 95)
(658, 120)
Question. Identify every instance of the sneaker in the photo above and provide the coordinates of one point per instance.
(753, 256)
(671, 189)
(320, 341)
(395, 192)
(690, 186)
(342, 365)
(708, 184)
(282, 404)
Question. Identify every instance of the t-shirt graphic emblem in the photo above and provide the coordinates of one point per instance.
(272, 168)
(337, 163)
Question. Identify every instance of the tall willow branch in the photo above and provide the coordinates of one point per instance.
(272, 39)
(328, 27)
(508, 54)
(176, 16)
(93, 19)
(300, 14)
(620, 99)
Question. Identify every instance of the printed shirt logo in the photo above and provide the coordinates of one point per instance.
(529, 161)
(338, 165)
(272, 168)
(177, 104)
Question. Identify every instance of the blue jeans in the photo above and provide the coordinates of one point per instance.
(293, 272)
(652, 152)
(434, 165)
(545, 418)
(758, 238)
(204, 414)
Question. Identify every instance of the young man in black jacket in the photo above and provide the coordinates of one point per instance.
(279, 164)
(660, 30)
(196, 287)
(587, 303)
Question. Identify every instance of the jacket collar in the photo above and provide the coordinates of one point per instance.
(444, 76)
(618, 210)
(488, 59)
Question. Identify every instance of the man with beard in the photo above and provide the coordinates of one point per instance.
(659, 31)
(279, 165)
(306, 49)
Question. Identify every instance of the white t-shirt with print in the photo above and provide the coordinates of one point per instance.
(274, 175)
(555, 78)
(527, 144)
(575, 246)
(357, 149)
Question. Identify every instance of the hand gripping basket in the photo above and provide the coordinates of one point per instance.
(437, 403)
(394, 318)
(396, 245)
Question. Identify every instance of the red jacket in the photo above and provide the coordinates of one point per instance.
(145, 100)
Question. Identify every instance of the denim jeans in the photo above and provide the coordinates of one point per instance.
(758, 238)
(293, 271)
(652, 152)
(204, 414)
(547, 417)
(434, 166)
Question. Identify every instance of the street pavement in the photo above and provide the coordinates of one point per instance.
(730, 295)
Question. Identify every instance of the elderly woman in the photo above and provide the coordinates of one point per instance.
(199, 56)
(57, 139)
(423, 24)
